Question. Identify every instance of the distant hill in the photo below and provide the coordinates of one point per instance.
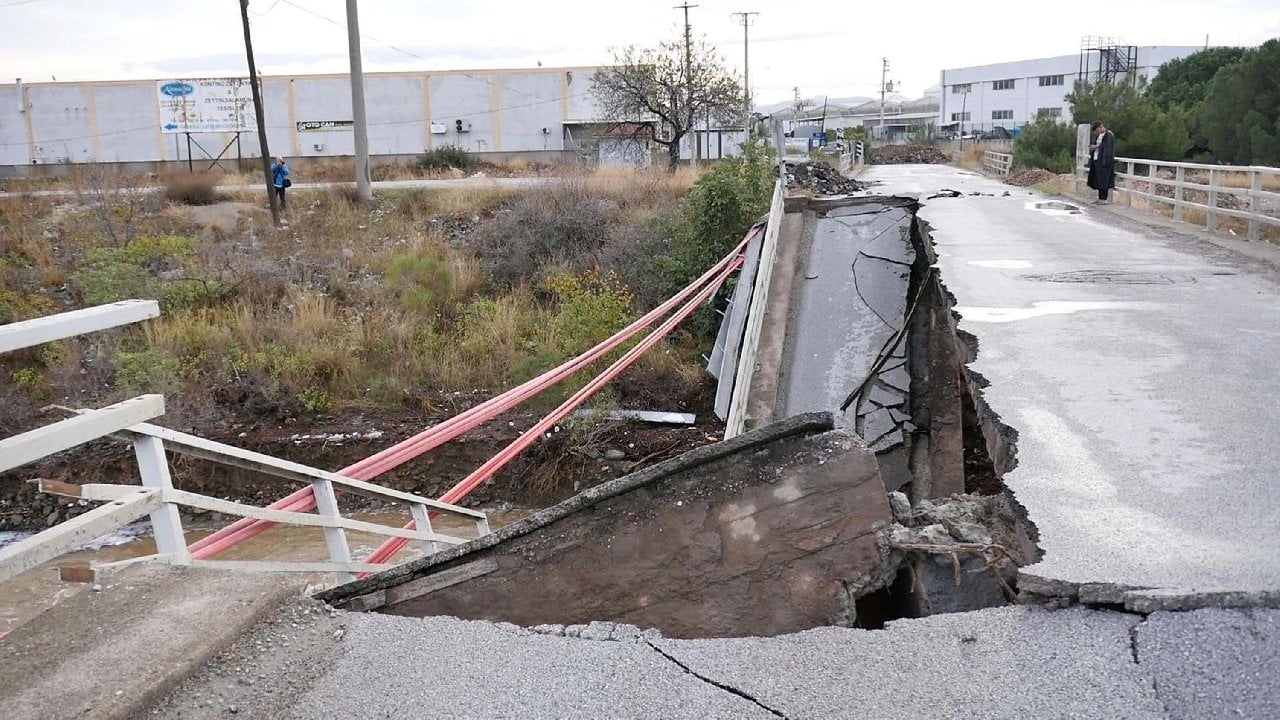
(813, 102)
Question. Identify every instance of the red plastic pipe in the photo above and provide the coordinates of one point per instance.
(393, 545)
(303, 500)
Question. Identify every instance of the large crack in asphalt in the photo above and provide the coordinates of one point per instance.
(722, 686)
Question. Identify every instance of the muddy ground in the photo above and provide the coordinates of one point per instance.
(574, 457)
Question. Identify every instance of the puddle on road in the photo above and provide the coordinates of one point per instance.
(1001, 264)
(1048, 307)
(1055, 207)
(31, 593)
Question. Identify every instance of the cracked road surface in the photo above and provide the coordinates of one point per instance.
(1011, 662)
(1139, 369)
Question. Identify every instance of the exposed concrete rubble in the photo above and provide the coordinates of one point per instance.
(820, 178)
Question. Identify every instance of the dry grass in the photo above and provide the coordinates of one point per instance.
(192, 189)
(351, 306)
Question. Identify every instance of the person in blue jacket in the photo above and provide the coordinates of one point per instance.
(280, 178)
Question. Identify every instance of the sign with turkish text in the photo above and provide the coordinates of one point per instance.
(324, 125)
(205, 105)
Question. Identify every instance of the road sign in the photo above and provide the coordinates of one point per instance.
(206, 105)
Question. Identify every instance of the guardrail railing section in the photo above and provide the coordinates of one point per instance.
(159, 499)
(997, 162)
(1231, 199)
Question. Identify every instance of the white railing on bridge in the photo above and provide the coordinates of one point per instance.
(997, 162)
(1211, 192)
(1197, 193)
(736, 423)
(158, 498)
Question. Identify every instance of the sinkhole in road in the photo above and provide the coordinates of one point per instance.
(958, 535)
(884, 510)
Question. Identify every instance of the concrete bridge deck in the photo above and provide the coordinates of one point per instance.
(1138, 368)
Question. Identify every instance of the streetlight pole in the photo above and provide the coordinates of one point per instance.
(364, 188)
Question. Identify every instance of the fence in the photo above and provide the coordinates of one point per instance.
(997, 162)
(158, 498)
(1214, 191)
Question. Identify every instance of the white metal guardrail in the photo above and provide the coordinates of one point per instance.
(1209, 189)
(158, 498)
(997, 162)
(736, 423)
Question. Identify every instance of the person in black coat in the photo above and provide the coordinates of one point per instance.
(1102, 161)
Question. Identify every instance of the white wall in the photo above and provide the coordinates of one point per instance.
(1027, 96)
(508, 111)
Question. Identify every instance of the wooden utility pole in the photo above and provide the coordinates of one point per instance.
(261, 116)
(745, 17)
(364, 188)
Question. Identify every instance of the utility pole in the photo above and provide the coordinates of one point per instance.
(885, 85)
(364, 188)
(262, 118)
(745, 17)
(688, 78)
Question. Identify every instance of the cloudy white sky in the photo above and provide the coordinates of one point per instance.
(823, 48)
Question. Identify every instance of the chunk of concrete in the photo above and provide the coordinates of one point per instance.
(731, 543)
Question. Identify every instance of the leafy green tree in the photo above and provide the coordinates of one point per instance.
(1142, 128)
(1182, 85)
(1185, 81)
(1241, 114)
(1046, 143)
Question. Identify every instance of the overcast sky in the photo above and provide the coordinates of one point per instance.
(824, 48)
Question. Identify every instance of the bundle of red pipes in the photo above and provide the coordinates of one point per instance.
(692, 296)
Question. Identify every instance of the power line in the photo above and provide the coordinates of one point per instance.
(384, 43)
(267, 11)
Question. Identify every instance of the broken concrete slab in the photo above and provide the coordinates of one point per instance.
(1009, 662)
(110, 654)
(757, 537)
(1131, 480)
(453, 668)
(1213, 662)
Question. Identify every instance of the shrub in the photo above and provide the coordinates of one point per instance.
(446, 157)
(420, 279)
(315, 399)
(721, 206)
(147, 370)
(144, 268)
(191, 189)
(1048, 144)
(559, 223)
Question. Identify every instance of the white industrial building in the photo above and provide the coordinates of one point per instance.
(1012, 94)
(547, 113)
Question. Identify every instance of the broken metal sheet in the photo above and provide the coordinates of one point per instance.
(666, 418)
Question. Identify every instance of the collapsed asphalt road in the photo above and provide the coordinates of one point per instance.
(1137, 368)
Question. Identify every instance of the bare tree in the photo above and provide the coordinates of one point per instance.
(672, 85)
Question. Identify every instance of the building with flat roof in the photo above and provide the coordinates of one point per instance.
(1011, 94)
(544, 113)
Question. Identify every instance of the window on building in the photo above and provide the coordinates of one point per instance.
(960, 117)
(960, 89)
(1050, 80)
(1054, 113)
(1001, 114)
(1002, 85)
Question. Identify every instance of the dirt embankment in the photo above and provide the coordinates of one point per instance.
(577, 455)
